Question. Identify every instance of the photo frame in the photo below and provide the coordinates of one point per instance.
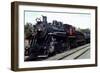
(68, 26)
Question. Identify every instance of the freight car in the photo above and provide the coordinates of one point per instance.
(52, 38)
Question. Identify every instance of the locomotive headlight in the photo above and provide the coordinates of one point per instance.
(38, 29)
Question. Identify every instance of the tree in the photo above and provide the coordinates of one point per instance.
(87, 30)
(28, 29)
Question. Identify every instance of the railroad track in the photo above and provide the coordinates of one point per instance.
(71, 54)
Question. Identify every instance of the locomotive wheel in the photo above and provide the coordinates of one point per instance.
(46, 53)
(74, 44)
(67, 46)
(51, 52)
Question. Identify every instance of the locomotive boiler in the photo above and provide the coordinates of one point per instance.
(52, 38)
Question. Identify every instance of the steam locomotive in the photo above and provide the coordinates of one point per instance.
(52, 38)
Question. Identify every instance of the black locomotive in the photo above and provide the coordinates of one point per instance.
(52, 38)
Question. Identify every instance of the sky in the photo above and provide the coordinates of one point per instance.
(79, 20)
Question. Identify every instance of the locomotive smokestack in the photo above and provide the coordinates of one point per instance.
(44, 19)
